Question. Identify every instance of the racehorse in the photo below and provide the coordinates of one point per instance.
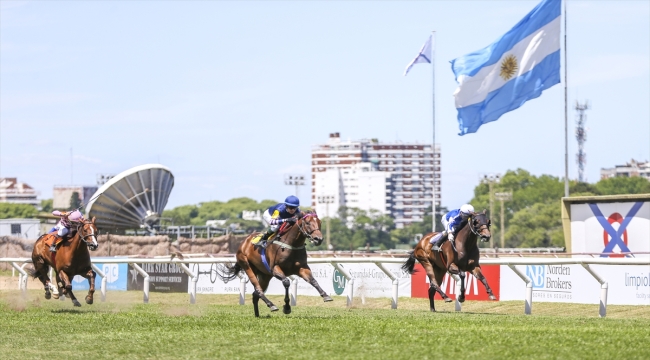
(284, 256)
(455, 257)
(72, 258)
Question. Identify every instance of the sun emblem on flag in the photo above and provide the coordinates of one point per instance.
(508, 67)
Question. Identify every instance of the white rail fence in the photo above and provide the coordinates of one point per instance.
(20, 263)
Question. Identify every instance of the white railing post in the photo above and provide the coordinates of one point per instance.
(528, 307)
(393, 303)
(293, 293)
(350, 281)
(194, 277)
(242, 289)
(22, 277)
(104, 281)
(458, 306)
(145, 286)
(603, 290)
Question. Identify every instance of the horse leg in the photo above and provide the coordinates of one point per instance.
(258, 290)
(435, 279)
(279, 274)
(68, 287)
(90, 275)
(461, 297)
(305, 273)
(40, 271)
(479, 275)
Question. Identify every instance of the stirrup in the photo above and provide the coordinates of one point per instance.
(53, 248)
(262, 244)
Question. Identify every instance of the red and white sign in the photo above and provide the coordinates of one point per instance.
(474, 289)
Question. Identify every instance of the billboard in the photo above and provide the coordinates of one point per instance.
(162, 278)
(116, 277)
(611, 228)
(474, 289)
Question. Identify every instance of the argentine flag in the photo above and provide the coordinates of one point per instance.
(516, 68)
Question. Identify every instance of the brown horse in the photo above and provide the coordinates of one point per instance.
(72, 258)
(455, 257)
(282, 257)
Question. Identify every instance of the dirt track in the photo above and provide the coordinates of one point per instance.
(11, 283)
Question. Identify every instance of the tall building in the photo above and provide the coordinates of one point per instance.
(14, 192)
(633, 168)
(395, 179)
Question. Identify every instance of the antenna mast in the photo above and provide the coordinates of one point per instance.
(581, 136)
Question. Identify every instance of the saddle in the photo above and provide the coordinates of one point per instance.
(50, 239)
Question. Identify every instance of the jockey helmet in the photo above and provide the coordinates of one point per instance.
(75, 216)
(466, 209)
(292, 201)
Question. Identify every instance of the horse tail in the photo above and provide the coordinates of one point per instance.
(229, 272)
(409, 265)
(36, 271)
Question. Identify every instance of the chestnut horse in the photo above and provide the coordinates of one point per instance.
(282, 257)
(72, 258)
(455, 257)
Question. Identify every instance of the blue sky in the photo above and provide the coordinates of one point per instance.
(232, 95)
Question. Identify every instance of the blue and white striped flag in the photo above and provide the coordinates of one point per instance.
(423, 57)
(516, 68)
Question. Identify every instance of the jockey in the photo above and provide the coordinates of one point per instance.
(278, 214)
(62, 228)
(451, 221)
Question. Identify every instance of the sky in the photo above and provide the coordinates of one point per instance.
(232, 96)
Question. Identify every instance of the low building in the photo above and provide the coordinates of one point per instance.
(630, 169)
(23, 228)
(63, 193)
(14, 192)
(254, 215)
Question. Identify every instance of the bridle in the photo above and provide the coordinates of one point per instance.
(304, 232)
(83, 236)
(475, 231)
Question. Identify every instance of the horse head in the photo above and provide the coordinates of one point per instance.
(88, 233)
(479, 224)
(309, 225)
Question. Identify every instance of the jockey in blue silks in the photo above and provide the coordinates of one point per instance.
(452, 222)
(288, 211)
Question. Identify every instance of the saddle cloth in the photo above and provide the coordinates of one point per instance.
(283, 228)
(49, 239)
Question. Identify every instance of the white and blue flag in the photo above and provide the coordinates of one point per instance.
(514, 69)
(423, 57)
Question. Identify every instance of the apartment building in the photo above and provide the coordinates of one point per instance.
(630, 169)
(15, 192)
(396, 179)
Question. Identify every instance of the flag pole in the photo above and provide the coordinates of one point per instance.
(566, 116)
(433, 101)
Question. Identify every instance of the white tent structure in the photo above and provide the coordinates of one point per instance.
(132, 199)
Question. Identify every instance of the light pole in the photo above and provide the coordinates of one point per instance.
(327, 200)
(503, 196)
(490, 179)
(295, 180)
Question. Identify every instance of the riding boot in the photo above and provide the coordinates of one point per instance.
(265, 237)
(53, 247)
(438, 243)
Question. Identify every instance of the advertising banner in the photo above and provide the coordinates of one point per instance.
(628, 285)
(474, 289)
(116, 277)
(551, 283)
(369, 281)
(162, 278)
(611, 228)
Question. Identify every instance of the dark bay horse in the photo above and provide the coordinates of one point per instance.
(72, 258)
(282, 257)
(455, 257)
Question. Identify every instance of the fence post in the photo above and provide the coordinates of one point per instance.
(395, 280)
(194, 277)
(528, 307)
(145, 286)
(602, 311)
(242, 289)
(104, 280)
(350, 282)
(294, 289)
(457, 304)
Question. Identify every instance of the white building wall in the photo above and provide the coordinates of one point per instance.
(24, 228)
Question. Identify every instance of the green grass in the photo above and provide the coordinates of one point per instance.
(217, 328)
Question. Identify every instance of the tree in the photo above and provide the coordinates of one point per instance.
(46, 205)
(539, 225)
(10, 211)
(75, 200)
(623, 185)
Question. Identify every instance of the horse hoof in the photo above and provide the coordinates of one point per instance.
(55, 296)
(448, 300)
(76, 303)
(89, 300)
(48, 295)
(286, 309)
(461, 300)
(433, 310)
(492, 297)
(327, 298)
(273, 308)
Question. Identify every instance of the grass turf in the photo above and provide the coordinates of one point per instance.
(217, 328)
